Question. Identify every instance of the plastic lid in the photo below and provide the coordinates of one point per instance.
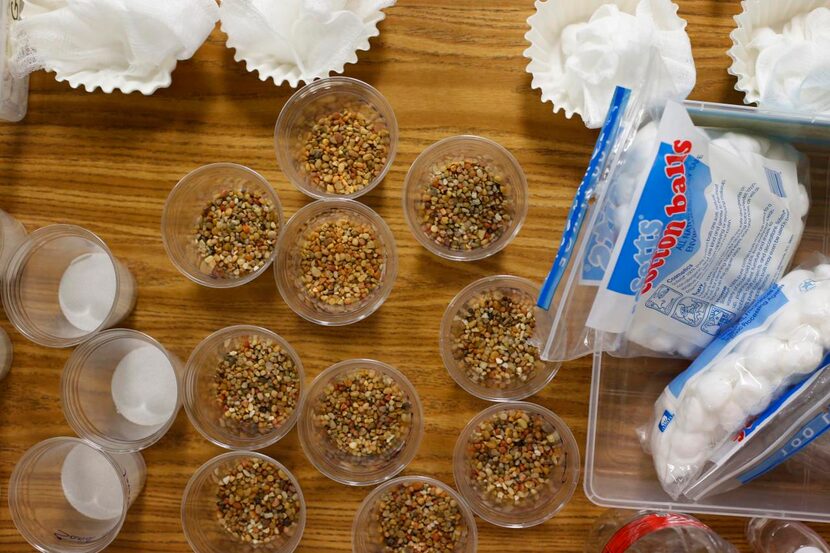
(809, 549)
(638, 528)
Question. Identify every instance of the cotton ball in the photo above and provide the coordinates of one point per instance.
(688, 444)
(732, 416)
(762, 354)
(688, 350)
(695, 418)
(794, 279)
(801, 356)
(782, 151)
(801, 204)
(659, 341)
(822, 271)
(815, 305)
(749, 392)
(788, 319)
(823, 328)
(714, 389)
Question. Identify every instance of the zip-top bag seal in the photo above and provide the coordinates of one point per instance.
(596, 216)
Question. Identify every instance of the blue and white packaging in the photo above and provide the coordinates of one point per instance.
(714, 224)
(742, 220)
(782, 339)
(790, 424)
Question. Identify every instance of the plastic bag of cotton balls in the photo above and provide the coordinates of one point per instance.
(782, 337)
(298, 41)
(128, 45)
(581, 51)
(688, 260)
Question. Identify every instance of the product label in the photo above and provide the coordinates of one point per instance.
(710, 231)
(663, 237)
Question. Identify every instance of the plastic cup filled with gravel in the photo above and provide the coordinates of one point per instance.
(486, 340)
(243, 387)
(361, 423)
(243, 501)
(336, 138)
(336, 262)
(517, 464)
(465, 198)
(221, 224)
(414, 514)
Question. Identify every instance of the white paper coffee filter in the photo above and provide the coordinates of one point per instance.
(547, 58)
(128, 45)
(756, 14)
(298, 41)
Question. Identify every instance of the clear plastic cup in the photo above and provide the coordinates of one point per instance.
(367, 536)
(184, 207)
(6, 354)
(12, 233)
(120, 390)
(63, 285)
(317, 100)
(549, 500)
(459, 148)
(350, 469)
(202, 529)
(200, 402)
(518, 288)
(288, 272)
(66, 496)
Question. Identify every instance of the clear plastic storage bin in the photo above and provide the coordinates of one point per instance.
(623, 391)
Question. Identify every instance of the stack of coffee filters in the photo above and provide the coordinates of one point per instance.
(297, 41)
(126, 45)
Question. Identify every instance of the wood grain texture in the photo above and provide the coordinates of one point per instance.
(107, 162)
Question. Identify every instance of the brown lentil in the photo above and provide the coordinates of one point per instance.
(256, 386)
(466, 206)
(513, 456)
(364, 413)
(256, 501)
(491, 339)
(236, 233)
(345, 151)
(341, 262)
(419, 518)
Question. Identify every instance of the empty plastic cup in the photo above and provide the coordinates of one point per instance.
(121, 390)
(63, 285)
(67, 496)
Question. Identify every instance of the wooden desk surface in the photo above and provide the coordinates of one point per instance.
(107, 162)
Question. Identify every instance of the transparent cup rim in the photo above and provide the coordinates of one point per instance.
(73, 411)
(198, 277)
(492, 248)
(492, 515)
(191, 398)
(405, 454)
(368, 503)
(210, 464)
(445, 345)
(308, 93)
(28, 247)
(31, 455)
(289, 294)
